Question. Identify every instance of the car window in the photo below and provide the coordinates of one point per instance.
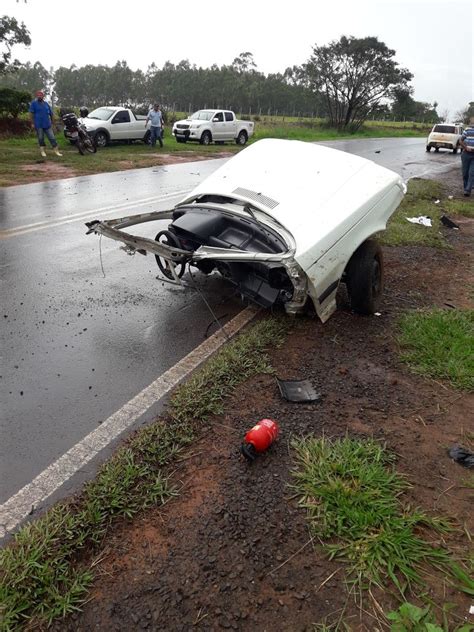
(219, 117)
(121, 117)
(229, 116)
(444, 129)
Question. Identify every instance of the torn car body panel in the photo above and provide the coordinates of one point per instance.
(281, 220)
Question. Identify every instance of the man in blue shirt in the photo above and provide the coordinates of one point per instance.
(156, 129)
(467, 160)
(42, 119)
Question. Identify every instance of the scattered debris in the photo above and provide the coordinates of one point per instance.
(259, 438)
(462, 456)
(436, 202)
(450, 197)
(378, 314)
(298, 391)
(471, 610)
(451, 305)
(449, 222)
(423, 220)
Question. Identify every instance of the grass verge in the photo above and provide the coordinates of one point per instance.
(351, 493)
(424, 197)
(44, 571)
(440, 344)
(20, 161)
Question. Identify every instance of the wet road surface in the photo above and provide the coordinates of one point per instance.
(77, 346)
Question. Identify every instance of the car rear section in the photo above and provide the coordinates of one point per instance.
(444, 136)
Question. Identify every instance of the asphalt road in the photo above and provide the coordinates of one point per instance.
(78, 345)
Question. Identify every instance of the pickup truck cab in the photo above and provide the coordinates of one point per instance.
(205, 126)
(445, 135)
(111, 123)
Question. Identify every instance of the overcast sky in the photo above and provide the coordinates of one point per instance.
(432, 38)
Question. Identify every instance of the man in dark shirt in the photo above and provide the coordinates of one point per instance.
(42, 119)
(467, 160)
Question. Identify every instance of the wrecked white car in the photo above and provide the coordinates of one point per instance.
(285, 221)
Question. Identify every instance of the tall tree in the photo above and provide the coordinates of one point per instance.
(355, 75)
(11, 33)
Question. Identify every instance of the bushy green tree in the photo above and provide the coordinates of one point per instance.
(355, 75)
(11, 33)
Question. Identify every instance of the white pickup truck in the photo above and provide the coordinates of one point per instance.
(115, 123)
(206, 126)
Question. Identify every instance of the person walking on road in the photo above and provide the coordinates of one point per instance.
(467, 160)
(156, 129)
(42, 120)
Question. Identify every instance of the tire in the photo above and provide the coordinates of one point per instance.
(89, 145)
(147, 137)
(180, 140)
(364, 278)
(436, 149)
(205, 139)
(242, 138)
(168, 238)
(80, 146)
(101, 139)
(428, 148)
(455, 150)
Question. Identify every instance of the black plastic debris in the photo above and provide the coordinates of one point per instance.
(448, 222)
(462, 456)
(298, 391)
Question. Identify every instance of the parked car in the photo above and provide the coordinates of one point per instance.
(206, 126)
(445, 135)
(285, 221)
(111, 123)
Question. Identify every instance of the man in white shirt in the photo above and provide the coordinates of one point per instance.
(156, 129)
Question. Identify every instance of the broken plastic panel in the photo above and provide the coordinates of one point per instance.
(298, 391)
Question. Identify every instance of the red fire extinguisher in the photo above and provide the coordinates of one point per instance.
(259, 438)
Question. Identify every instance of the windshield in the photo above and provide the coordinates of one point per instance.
(202, 115)
(101, 114)
(444, 129)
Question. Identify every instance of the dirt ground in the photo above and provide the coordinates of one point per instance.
(233, 550)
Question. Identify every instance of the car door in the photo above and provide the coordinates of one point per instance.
(218, 126)
(120, 125)
(230, 129)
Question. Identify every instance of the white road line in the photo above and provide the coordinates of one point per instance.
(19, 506)
(68, 219)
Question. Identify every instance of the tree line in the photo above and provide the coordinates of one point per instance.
(345, 82)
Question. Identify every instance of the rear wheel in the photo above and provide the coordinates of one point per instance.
(206, 138)
(147, 137)
(80, 146)
(241, 138)
(428, 148)
(167, 238)
(455, 150)
(364, 278)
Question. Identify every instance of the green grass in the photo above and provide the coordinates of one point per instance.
(420, 200)
(440, 344)
(411, 618)
(352, 495)
(20, 161)
(42, 575)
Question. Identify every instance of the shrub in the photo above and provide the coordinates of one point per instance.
(13, 102)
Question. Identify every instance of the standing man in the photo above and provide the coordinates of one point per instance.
(156, 118)
(42, 119)
(467, 160)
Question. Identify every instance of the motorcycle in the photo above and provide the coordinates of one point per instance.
(76, 133)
